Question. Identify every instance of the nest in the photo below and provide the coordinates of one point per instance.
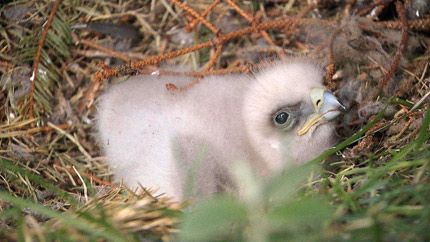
(56, 58)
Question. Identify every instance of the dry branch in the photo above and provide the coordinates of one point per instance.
(36, 61)
(132, 67)
(414, 24)
(252, 20)
(194, 22)
(331, 67)
(193, 13)
(103, 49)
(401, 48)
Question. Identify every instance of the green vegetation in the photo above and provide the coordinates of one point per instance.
(54, 185)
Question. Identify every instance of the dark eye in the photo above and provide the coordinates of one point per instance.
(286, 117)
(281, 118)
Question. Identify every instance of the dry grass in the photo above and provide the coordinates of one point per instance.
(53, 178)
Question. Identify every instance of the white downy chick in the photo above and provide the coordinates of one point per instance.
(184, 143)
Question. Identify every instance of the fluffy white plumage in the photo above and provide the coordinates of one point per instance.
(177, 140)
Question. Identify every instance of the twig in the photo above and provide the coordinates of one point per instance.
(228, 70)
(130, 68)
(214, 29)
(414, 24)
(331, 67)
(73, 139)
(402, 46)
(36, 61)
(239, 69)
(30, 131)
(290, 29)
(108, 51)
(214, 57)
(90, 176)
(83, 183)
(97, 54)
(240, 11)
(406, 85)
(193, 13)
(418, 104)
(250, 19)
(195, 21)
(272, 24)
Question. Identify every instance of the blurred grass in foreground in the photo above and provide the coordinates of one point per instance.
(374, 202)
(387, 202)
(383, 195)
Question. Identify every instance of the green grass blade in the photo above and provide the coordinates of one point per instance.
(67, 219)
(7, 165)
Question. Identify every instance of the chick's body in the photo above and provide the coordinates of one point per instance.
(174, 141)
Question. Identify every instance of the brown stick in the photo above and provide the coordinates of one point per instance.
(36, 61)
(414, 24)
(193, 13)
(272, 24)
(194, 22)
(108, 51)
(331, 67)
(402, 46)
(99, 76)
(214, 57)
(209, 66)
(250, 19)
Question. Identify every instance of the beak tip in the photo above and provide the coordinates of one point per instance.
(329, 110)
(332, 107)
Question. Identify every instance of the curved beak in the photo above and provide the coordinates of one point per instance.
(326, 106)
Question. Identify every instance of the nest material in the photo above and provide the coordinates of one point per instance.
(49, 86)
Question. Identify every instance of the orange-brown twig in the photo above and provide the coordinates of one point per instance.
(414, 24)
(99, 76)
(402, 46)
(331, 67)
(240, 11)
(193, 13)
(209, 66)
(272, 24)
(236, 69)
(214, 57)
(108, 51)
(90, 176)
(201, 74)
(195, 21)
(36, 61)
(215, 30)
(228, 70)
(250, 19)
(291, 28)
